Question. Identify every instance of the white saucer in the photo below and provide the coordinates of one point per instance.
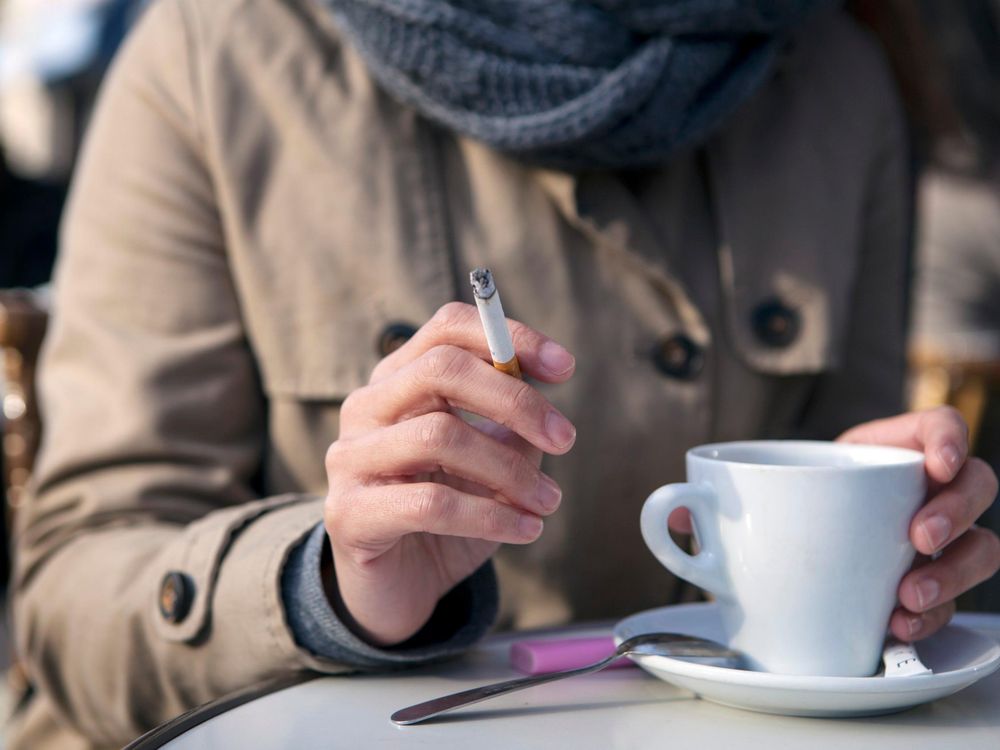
(958, 657)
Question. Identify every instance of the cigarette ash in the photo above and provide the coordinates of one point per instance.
(482, 283)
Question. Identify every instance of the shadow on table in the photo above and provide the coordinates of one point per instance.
(977, 713)
(942, 714)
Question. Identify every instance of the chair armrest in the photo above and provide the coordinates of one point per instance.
(23, 319)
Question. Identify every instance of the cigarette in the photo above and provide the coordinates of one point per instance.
(494, 322)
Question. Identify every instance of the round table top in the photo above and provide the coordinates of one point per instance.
(618, 708)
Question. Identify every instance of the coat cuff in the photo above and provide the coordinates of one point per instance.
(461, 618)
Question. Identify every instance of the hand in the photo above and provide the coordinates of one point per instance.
(420, 498)
(960, 490)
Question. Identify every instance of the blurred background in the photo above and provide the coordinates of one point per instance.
(946, 58)
(53, 55)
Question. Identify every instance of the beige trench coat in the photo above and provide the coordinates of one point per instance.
(251, 215)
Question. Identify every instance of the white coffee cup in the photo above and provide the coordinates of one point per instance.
(802, 543)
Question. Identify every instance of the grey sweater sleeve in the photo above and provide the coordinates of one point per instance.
(462, 616)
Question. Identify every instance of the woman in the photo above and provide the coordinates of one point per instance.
(279, 204)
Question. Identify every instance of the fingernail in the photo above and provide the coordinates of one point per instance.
(936, 530)
(927, 592)
(529, 526)
(950, 455)
(559, 429)
(555, 359)
(913, 625)
(548, 492)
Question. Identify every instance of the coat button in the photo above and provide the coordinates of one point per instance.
(176, 596)
(678, 357)
(775, 324)
(394, 336)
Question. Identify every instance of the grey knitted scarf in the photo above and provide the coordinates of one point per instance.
(571, 83)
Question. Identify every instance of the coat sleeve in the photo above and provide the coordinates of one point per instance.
(155, 424)
(868, 382)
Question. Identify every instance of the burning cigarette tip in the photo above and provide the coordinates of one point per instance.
(482, 283)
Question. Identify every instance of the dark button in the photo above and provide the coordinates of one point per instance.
(679, 357)
(176, 596)
(394, 336)
(775, 324)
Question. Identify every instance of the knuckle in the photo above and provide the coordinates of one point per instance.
(951, 414)
(981, 550)
(350, 406)
(971, 509)
(495, 522)
(436, 432)
(980, 488)
(430, 505)
(380, 371)
(947, 411)
(992, 551)
(941, 614)
(977, 466)
(331, 509)
(522, 399)
(334, 454)
(341, 470)
(336, 513)
(450, 316)
(445, 363)
(524, 337)
(989, 477)
(520, 471)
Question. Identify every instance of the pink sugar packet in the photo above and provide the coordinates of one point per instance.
(538, 657)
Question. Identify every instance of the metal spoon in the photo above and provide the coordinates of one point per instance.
(649, 644)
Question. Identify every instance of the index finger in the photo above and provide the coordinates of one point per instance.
(449, 377)
(940, 434)
(458, 324)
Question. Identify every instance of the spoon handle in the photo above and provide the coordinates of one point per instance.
(427, 709)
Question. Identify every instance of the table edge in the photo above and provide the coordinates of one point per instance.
(159, 736)
(172, 729)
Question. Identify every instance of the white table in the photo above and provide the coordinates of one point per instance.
(624, 708)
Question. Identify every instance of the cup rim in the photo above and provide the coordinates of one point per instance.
(889, 456)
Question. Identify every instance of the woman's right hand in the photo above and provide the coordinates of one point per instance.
(418, 497)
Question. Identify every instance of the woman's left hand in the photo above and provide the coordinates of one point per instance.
(960, 489)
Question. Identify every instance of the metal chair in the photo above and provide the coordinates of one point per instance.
(23, 319)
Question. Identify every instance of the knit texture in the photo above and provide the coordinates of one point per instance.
(569, 83)
(462, 616)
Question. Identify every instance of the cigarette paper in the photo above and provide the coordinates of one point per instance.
(494, 322)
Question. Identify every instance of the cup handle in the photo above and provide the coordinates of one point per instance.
(705, 568)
